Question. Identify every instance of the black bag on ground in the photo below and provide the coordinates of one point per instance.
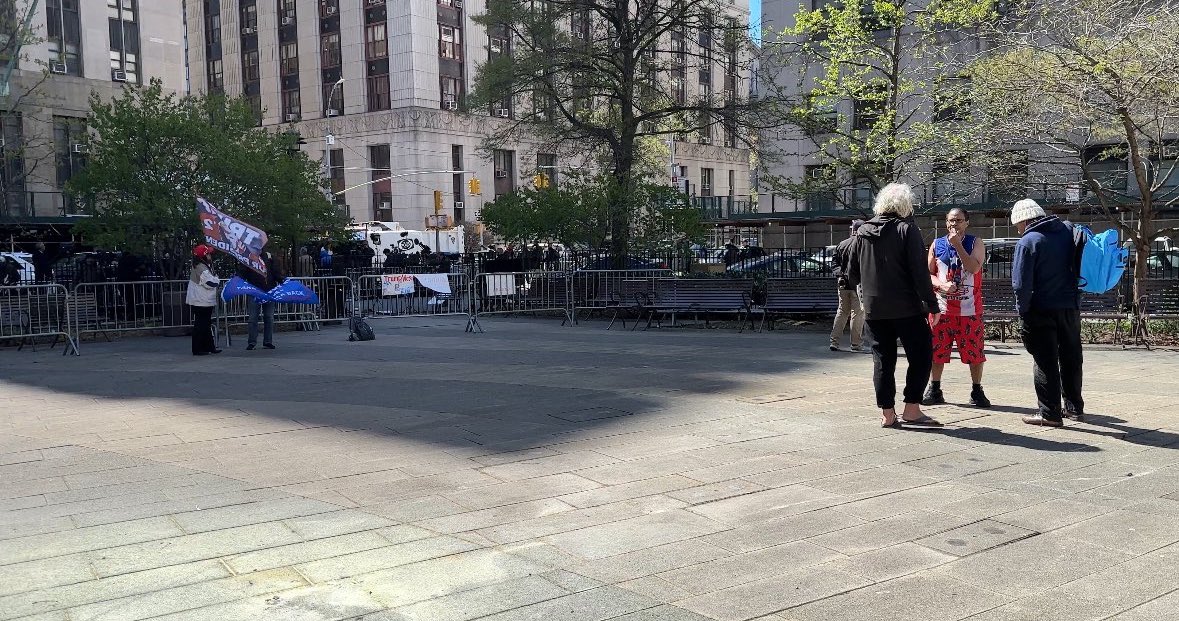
(359, 330)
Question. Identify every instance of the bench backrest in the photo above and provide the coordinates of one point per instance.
(814, 295)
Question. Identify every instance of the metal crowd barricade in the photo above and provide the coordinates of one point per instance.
(422, 297)
(602, 290)
(523, 292)
(115, 307)
(34, 311)
(336, 300)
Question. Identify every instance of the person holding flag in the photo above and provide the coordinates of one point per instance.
(202, 297)
(263, 308)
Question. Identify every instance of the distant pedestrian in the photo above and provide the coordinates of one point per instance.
(42, 263)
(304, 265)
(263, 310)
(850, 305)
(1045, 282)
(955, 268)
(551, 258)
(888, 262)
(202, 297)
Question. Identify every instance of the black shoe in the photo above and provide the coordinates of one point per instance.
(979, 399)
(215, 351)
(250, 346)
(1071, 413)
(200, 353)
(833, 347)
(933, 396)
(1043, 422)
(268, 345)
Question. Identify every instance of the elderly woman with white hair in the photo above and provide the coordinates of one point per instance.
(888, 262)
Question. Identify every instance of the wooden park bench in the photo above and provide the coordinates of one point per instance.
(676, 296)
(798, 296)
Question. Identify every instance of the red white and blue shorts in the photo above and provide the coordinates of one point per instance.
(966, 332)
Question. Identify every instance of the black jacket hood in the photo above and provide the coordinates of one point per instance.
(877, 225)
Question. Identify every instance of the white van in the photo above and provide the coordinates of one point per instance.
(382, 235)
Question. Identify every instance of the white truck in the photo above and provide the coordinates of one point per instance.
(382, 235)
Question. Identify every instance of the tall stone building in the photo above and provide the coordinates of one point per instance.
(80, 47)
(376, 87)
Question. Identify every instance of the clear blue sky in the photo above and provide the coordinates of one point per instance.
(755, 18)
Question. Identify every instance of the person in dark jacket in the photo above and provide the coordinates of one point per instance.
(1045, 283)
(849, 296)
(42, 263)
(888, 264)
(273, 278)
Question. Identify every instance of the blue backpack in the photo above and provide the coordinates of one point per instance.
(1100, 259)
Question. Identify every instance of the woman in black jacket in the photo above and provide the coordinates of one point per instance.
(888, 262)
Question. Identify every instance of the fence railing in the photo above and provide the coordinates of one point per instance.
(32, 314)
(37, 311)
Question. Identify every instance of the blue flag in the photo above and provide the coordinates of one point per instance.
(289, 292)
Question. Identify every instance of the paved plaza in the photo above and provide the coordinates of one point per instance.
(543, 473)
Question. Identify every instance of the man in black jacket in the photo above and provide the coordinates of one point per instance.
(273, 278)
(888, 263)
(1045, 284)
(849, 297)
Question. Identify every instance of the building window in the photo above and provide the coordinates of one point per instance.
(212, 29)
(378, 92)
(823, 119)
(820, 194)
(863, 192)
(69, 133)
(705, 182)
(124, 37)
(250, 69)
(336, 175)
(546, 167)
(291, 106)
(249, 18)
(216, 75)
(255, 102)
(288, 59)
(12, 172)
(504, 163)
(330, 50)
(868, 108)
(450, 42)
(286, 11)
(497, 46)
(333, 99)
(451, 92)
(378, 160)
(63, 35)
(376, 44)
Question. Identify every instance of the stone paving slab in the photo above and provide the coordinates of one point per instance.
(544, 473)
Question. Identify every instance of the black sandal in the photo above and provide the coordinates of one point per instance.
(924, 421)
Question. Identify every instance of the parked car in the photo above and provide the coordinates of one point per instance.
(632, 263)
(26, 275)
(782, 265)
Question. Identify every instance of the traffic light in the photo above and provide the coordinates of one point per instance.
(473, 187)
(541, 180)
(437, 201)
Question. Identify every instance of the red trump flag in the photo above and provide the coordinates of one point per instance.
(228, 234)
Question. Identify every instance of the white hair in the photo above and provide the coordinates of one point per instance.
(895, 198)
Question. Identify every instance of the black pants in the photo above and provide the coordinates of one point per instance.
(1053, 338)
(202, 330)
(917, 340)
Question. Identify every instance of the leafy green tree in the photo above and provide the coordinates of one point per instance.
(1093, 85)
(876, 90)
(154, 152)
(603, 78)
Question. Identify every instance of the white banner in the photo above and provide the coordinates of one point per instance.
(438, 283)
(396, 284)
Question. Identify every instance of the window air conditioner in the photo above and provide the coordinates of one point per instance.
(81, 148)
(333, 112)
(705, 140)
(292, 117)
(452, 105)
(56, 66)
(376, 2)
(329, 10)
(501, 174)
(248, 31)
(501, 113)
(118, 75)
(287, 21)
(577, 34)
(458, 204)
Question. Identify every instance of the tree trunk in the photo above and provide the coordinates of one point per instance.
(620, 203)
